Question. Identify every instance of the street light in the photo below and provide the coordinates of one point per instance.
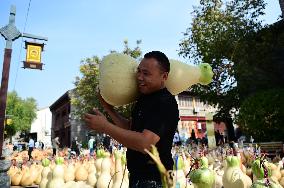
(10, 33)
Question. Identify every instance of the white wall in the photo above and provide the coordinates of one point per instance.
(42, 126)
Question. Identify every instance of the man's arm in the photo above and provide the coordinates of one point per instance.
(116, 117)
(118, 120)
(132, 139)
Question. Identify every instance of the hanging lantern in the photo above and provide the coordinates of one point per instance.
(33, 55)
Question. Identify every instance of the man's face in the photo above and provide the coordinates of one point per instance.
(149, 76)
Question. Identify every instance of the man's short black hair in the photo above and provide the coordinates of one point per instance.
(161, 58)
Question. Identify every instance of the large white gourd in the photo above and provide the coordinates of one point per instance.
(203, 177)
(118, 85)
(57, 174)
(218, 180)
(92, 178)
(233, 176)
(179, 173)
(98, 163)
(177, 81)
(119, 179)
(46, 174)
(182, 76)
(117, 82)
(105, 179)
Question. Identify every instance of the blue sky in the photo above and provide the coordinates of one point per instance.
(79, 29)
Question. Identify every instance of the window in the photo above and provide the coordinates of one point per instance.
(185, 101)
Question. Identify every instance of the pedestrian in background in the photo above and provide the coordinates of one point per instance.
(91, 145)
(75, 146)
(31, 147)
(55, 145)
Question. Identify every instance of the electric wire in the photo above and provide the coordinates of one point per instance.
(22, 41)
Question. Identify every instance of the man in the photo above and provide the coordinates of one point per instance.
(55, 145)
(106, 142)
(42, 145)
(75, 146)
(154, 122)
(91, 145)
(177, 141)
(37, 144)
(31, 147)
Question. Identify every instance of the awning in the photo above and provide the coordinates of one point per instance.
(192, 118)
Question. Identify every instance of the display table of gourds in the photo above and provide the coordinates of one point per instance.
(106, 170)
(195, 167)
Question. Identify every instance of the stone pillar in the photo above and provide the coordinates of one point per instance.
(4, 167)
(210, 131)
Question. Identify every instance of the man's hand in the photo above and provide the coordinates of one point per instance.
(97, 122)
(106, 106)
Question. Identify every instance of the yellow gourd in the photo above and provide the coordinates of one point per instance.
(69, 173)
(92, 178)
(16, 178)
(282, 181)
(26, 178)
(81, 174)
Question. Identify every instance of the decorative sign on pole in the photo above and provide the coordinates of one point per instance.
(33, 55)
(11, 33)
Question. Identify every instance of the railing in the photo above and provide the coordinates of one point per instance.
(270, 148)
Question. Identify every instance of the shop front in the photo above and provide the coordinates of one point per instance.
(193, 127)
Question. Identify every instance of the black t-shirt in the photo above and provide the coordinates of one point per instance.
(156, 112)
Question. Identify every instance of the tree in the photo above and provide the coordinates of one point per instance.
(85, 95)
(265, 123)
(21, 111)
(217, 33)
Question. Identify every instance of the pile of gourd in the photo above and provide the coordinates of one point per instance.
(104, 171)
(217, 170)
(36, 154)
(191, 169)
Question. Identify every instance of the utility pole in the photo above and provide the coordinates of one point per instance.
(10, 33)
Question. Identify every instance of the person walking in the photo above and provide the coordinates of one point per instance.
(91, 145)
(42, 145)
(55, 145)
(31, 147)
(75, 146)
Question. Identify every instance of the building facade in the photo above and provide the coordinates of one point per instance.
(63, 125)
(41, 126)
(192, 115)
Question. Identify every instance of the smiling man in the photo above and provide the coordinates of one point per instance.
(154, 121)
